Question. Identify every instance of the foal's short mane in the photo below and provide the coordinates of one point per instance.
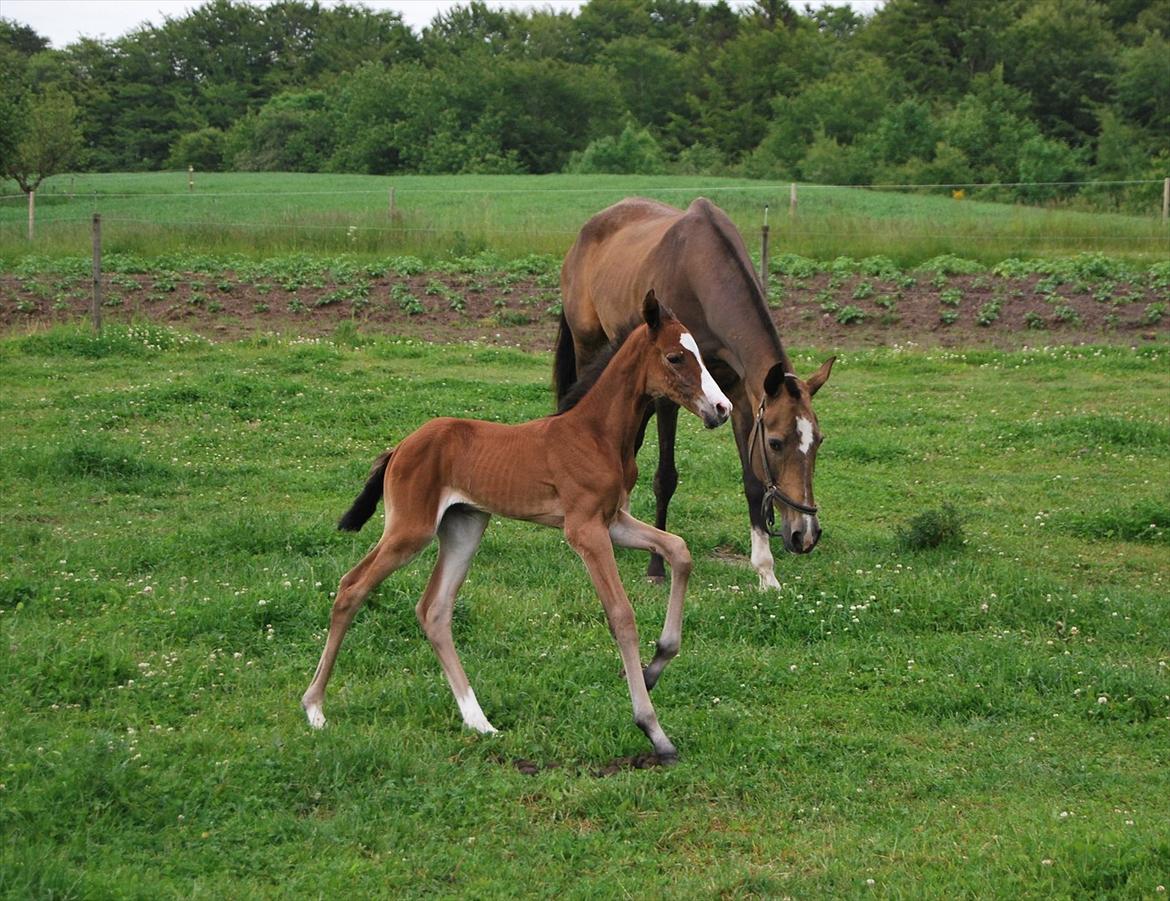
(592, 373)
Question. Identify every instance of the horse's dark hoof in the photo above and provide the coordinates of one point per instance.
(655, 580)
(669, 759)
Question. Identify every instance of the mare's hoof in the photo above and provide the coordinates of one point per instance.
(655, 579)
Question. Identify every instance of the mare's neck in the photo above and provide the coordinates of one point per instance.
(738, 318)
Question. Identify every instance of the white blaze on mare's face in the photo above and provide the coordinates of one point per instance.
(711, 389)
(805, 428)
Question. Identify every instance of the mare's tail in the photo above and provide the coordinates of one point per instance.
(367, 502)
(565, 362)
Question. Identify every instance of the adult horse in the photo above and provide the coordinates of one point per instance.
(698, 259)
(573, 471)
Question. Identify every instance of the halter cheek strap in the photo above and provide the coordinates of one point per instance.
(772, 491)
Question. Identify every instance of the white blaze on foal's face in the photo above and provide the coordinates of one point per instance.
(711, 390)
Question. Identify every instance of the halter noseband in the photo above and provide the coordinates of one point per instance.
(773, 492)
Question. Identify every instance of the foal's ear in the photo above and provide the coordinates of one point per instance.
(821, 376)
(774, 379)
(651, 312)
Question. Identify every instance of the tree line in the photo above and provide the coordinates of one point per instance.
(918, 92)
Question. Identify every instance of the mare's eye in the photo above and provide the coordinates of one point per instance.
(675, 359)
(776, 444)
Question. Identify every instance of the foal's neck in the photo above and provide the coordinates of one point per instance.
(615, 406)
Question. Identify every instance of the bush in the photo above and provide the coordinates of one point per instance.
(203, 150)
(633, 152)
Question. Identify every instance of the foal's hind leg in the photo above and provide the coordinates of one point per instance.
(626, 531)
(393, 550)
(459, 536)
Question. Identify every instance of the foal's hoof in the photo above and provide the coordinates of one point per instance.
(669, 758)
(655, 579)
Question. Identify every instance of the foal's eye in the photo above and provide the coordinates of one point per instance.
(675, 359)
(776, 444)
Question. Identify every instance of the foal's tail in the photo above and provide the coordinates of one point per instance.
(367, 502)
(565, 362)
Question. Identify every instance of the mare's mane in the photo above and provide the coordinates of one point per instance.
(587, 379)
(744, 270)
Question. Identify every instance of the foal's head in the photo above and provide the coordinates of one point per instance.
(784, 444)
(676, 370)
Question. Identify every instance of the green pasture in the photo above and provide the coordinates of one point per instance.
(434, 216)
(987, 719)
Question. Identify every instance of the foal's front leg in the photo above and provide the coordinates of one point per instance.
(592, 543)
(626, 531)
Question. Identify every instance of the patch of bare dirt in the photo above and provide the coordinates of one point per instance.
(843, 314)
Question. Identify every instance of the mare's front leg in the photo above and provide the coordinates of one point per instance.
(591, 541)
(742, 420)
(626, 531)
(665, 478)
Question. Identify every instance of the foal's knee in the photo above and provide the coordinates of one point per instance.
(679, 555)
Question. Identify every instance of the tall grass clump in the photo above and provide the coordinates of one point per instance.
(933, 528)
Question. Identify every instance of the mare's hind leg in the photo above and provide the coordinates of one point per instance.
(394, 549)
(665, 478)
(459, 536)
(626, 531)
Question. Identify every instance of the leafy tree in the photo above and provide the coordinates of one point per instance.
(204, 149)
(903, 132)
(293, 132)
(1062, 54)
(989, 125)
(937, 47)
(1142, 85)
(44, 139)
(1045, 162)
(829, 162)
(648, 76)
(633, 152)
(547, 109)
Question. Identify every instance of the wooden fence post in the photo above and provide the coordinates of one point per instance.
(32, 214)
(393, 212)
(96, 303)
(190, 177)
(1166, 200)
(764, 253)
(792, 200)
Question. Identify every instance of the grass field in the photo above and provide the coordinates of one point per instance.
(986, 720)
(264, 213)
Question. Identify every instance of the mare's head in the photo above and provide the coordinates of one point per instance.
(784, 444)
(675, 368)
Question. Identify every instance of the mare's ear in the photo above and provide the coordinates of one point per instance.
(821, 376)
(651, 312)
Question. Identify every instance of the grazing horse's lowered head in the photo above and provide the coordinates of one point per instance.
(783, 454)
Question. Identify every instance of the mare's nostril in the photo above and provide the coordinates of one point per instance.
(797, 543)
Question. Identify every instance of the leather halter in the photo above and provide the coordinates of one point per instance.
(772, 492)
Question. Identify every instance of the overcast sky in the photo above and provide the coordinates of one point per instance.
(64, 21)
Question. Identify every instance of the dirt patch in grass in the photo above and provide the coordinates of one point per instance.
(821, 311)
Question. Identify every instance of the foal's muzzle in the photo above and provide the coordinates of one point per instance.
(714, 415)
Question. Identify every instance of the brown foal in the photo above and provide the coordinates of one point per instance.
(573, 471)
